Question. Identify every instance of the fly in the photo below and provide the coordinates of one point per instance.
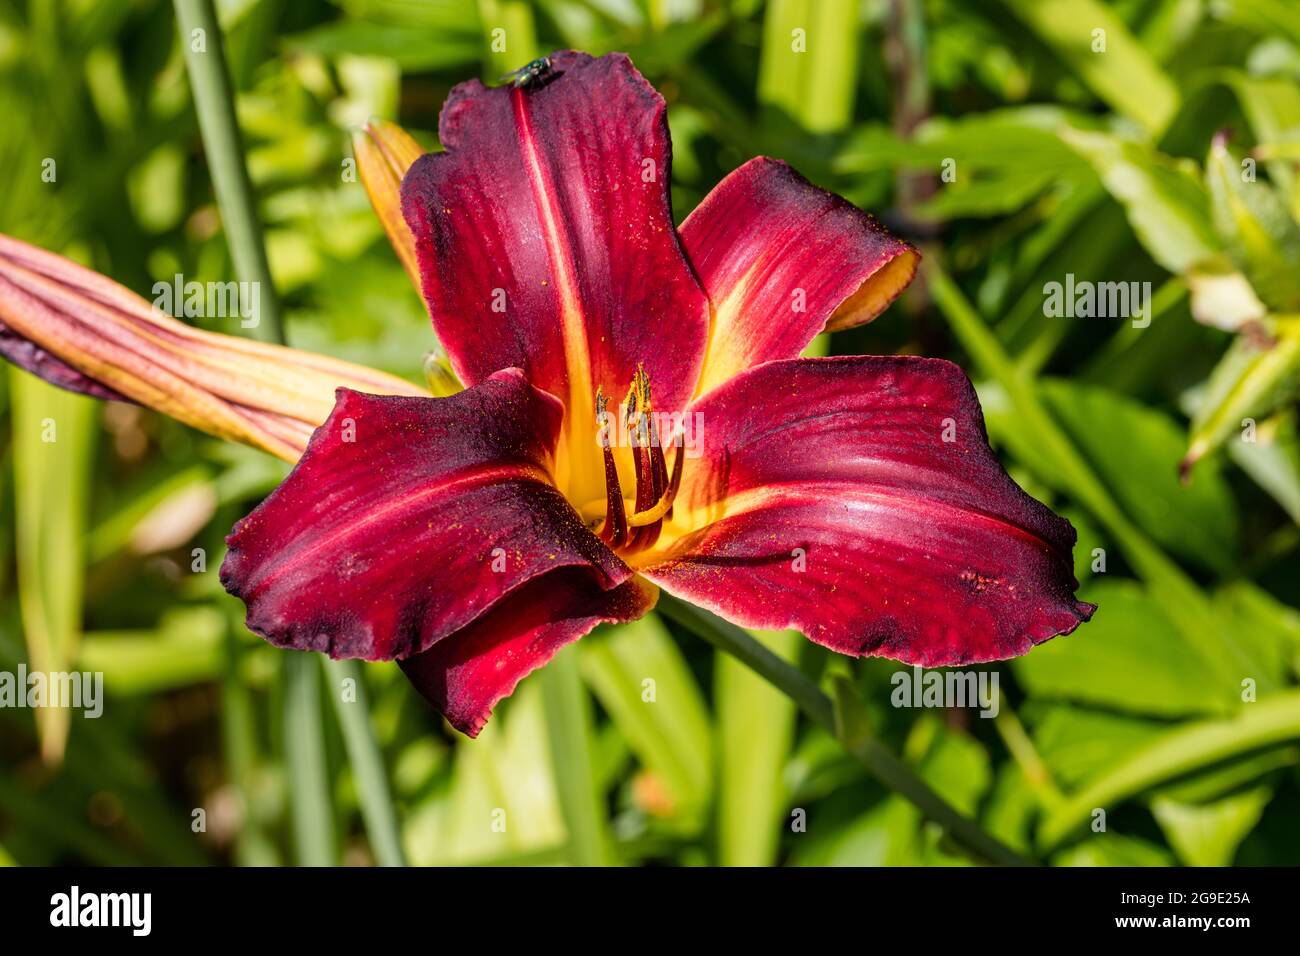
(531, 75)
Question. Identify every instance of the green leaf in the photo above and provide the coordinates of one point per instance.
(569, 730)
(1163, 198)
(500, 802)
(755, 732)
(1130, 658)
(1114, 849)
(1266, 16)
(987, 197)
(1122, 74)
(809, 62)
(1209, 834)
(1251, 380)
(893, 833)
(186, 648)
(447, 46)
(1272, 107)
(1256, 229)
(670, 732)
(998, 141)
(1182, 750)
(1196, 521)
(53, 436)
(1077, 743)
(1273, 461)
(1262, 622)
(852, 721)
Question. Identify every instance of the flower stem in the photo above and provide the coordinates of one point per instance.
(214, 102)
(866, 750)
(304, 749)
(367, 762)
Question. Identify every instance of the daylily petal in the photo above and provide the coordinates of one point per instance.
(82, 331)
(546, 242)
(857, 500)
(407, 518)
(384, 152)
(781, 260)
(30, 356)
(466, 674)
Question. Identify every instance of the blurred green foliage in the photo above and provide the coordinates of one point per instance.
(1017, 141)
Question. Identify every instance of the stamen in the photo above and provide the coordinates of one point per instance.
(665, 488)
(658, 465)
(614, 531)
(676, 481)
(645, 499)
(635, 524)
(651, 474)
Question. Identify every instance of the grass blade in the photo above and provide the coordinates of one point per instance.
(756, 724)
(669, 729)
(53, 440)
(367, 762)
(569, 733)
(304, 751)
(214, 101)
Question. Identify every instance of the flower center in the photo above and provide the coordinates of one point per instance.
(632, 432)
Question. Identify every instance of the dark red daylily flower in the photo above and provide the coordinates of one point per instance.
(638, 417)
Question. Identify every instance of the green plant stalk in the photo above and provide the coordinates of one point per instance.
(214, 102)
(1017, 742)
(1177, 594)
(367, 762)
(874, 756)
(240, 748)
(304, 751)
(1178, 752)
(569, 736)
